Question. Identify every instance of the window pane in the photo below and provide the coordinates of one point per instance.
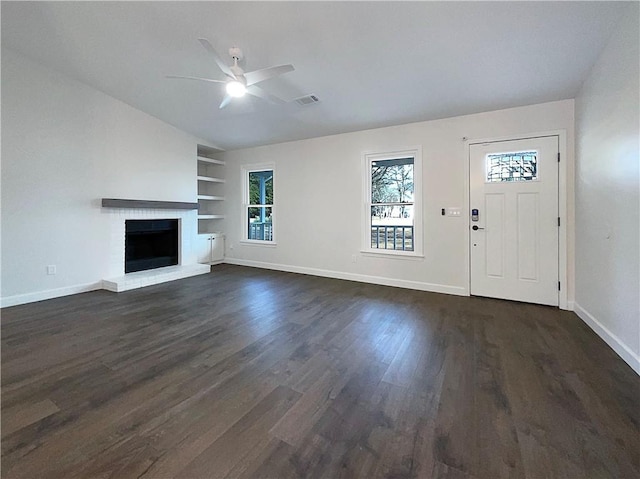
(520, 166)
(260, 223)
(261, 187)
(392, 181)
(392, 227)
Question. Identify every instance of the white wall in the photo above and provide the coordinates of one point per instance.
(65, 146)
(607, 200)
(319, 199)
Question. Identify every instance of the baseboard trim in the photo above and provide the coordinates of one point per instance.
(362, 278)
(48, 294)
(621, 349)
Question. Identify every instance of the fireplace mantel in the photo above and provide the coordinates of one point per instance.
(148, 204)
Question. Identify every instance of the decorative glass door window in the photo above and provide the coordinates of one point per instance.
(519, 166)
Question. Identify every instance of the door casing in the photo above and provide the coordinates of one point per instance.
(562, 206)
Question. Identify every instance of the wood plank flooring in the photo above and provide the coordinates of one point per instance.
(247, 373)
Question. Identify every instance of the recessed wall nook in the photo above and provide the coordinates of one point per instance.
(211, 196)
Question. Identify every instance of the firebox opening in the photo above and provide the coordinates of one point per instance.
(150, 244)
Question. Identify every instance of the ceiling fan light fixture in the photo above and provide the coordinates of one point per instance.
(236, 89)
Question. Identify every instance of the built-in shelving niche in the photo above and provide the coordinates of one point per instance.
(211, 189)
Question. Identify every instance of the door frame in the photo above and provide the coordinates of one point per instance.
(562, 204)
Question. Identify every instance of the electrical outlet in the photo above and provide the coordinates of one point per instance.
(51, 269)
(231, 246)
(354, 258)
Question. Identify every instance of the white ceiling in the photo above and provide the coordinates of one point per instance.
(371, 64)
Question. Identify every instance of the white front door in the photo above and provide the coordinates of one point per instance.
(514, 237)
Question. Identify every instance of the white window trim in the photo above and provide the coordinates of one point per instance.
(418, 231)
(245, 170)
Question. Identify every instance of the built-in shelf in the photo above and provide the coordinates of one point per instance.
(148, 204)
(211, 197)
(211, 194)
(211, 161)
(211, 179)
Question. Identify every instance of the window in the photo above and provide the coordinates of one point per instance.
(520, 166)
(258, 209)
(392, 206)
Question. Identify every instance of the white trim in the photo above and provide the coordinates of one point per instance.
(362, 278)
(466, 213)
(268, 244)
(621, 349)
(525, 136)
(418, 179)
(48, 294)
(563, 275)
(392, 254)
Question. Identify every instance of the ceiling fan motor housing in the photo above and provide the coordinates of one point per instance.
(236, 53)
(239, 74)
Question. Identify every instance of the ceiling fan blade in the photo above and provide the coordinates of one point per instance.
(225, 101)
(222, 65)
(196, 78)
(257, 76)
(260, 93)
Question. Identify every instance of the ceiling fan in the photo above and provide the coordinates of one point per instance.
(238, 81)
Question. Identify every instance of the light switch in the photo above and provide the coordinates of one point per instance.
(454, 211)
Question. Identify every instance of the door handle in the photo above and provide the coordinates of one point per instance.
(476, 228)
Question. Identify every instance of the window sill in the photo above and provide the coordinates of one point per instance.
(268, 244)
(392, 255)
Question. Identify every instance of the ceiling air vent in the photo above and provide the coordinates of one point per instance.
(307, 100)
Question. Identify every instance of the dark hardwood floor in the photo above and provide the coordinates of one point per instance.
(260, 374)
